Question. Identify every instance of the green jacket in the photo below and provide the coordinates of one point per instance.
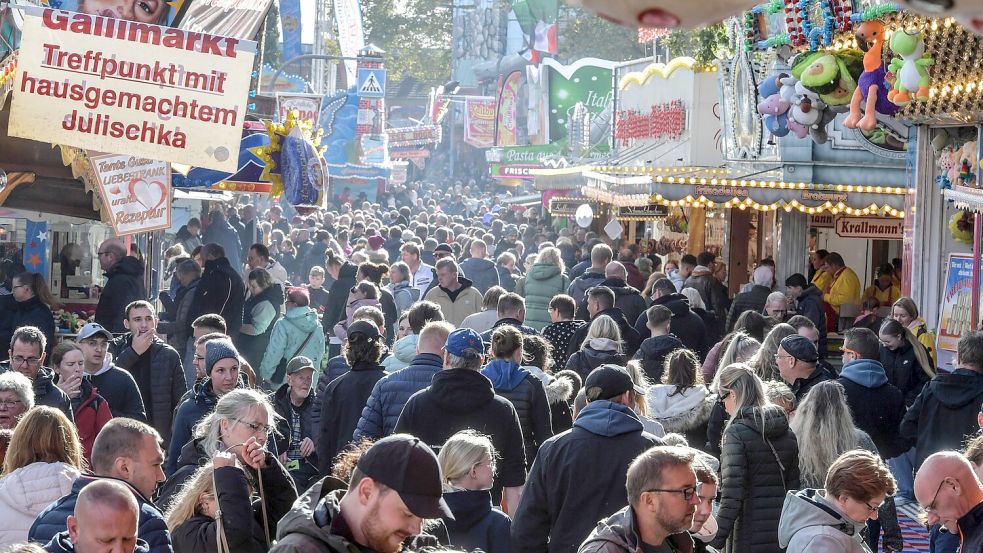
(539, 286)
(288, 335)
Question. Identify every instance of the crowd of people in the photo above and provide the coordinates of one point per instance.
(438, 370)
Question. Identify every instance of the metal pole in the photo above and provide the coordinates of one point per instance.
(302, 57)
(977, 234)
(453, 152)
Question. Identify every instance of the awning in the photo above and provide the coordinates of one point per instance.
(965, 198)
(204, 195)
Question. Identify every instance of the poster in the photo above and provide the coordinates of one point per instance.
(348, 15)
(129, 88)
(587, 81)
(507, 125)
(160, 13)
(135, 191)
(291, 21)
(956, 312)
(307, 105)
(235, 18)
(479, 121)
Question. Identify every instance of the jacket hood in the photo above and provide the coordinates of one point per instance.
(958, 389)
(303, 318)
(807, 509)
(542, 271)
(405, 348)
(772, 421)
(866, 372)
(29, 489)
(606, 418)
(129, 265)
(192, 453)
(680, 411)
(560, 389)
(469, 506)
(660, 345)
(312, 512)
(504, 374)
(619, 287)
(619, 317)
(461, 390)
(604, 345)
(596, 357)
(677, 303)
(464, 282)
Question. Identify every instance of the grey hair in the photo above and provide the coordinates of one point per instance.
(233, 405)
(13, 381)
(776, 297)
(464, 363)
(694, 297)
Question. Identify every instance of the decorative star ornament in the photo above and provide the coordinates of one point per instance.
(42, 236)
(271, 154)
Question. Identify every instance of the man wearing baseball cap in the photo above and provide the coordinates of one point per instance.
(460, 397)
(294, 402)
(579, 476)
(797, 360)
(396, 484)
(115, 385)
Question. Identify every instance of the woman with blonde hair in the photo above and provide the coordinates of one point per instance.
(759, 462)
(467, 462)
(823, 421)
(520, 387)
(43, 460)
(638, 401)
(601, 345)
(544, 280)
(218, 489)
(764, 362)
(906, 312)
(241, 424)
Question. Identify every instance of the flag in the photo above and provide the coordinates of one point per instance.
(292, 22)
(545, 38)
(36, 247)
(532, 56)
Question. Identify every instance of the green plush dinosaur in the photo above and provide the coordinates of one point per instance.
(911, 68)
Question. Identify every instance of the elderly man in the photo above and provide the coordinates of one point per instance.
(26, 356)
(455, 295)
(124, 284)
(258, 257)
(395, 485)
(797, 360)
(776, 307)
(951, 495)
(663, 495)
(105, 519)
(16, 398)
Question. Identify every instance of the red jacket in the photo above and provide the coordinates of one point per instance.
(91, 414)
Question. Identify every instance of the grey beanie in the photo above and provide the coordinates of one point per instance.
(216, 350)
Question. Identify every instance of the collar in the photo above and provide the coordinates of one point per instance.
(799, 382)
(972, 520)
(340, 527)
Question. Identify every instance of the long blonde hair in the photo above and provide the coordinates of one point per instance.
(461, 453)
(44, 435)
(741, 380)
(603, 327)
(639, 404)
(741, 349)
(764, 362)
(186, 502)
(824, 422)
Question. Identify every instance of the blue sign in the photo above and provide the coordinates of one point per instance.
(371, 83)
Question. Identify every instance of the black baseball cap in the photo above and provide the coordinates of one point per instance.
(801, 348)
(444, 248)
(364, 327)
(608, 381)
(408, 466)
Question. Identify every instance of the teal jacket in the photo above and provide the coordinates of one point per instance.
(539, 286)
(288, 335)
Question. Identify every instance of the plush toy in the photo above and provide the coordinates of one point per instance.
(966, 165)
(665, 13)
(819, 131)
(808, 108)
(961, 226)
(773, 107)
(947, 160)
(870, 98)
(831, 75)
(911, 68)
(798, 129)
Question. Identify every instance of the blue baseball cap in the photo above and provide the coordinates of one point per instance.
(465, 343)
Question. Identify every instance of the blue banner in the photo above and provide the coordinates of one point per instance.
(291, 21)
(36, 248)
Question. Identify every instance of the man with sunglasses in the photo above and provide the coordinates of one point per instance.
(26, 356)
(951, 495)
(572, 484)
(663, 495)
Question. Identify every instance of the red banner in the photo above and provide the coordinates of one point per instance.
(479, 122)
(507, 128)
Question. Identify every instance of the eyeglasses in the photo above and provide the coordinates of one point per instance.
(100, 254)
(931, 507)
(725, 394)
(255, 426)
(779, 356)
(21, 361)
(871, 508)
(19, 286)
(9, 404)
(688, 493)
(850, 351)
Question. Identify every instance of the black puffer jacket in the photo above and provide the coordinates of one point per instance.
(588, 359)
(166, 379)
(759, 463)
(903, 370)
(944, 414)
(579, 287)
(334, 311)
(528, 396)
(341, 407)
(222, 292)
(685, 324)
(653, 355)
(124, 285)
(33, 312)
(626, 298)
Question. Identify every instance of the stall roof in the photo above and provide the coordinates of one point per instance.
(966, 198)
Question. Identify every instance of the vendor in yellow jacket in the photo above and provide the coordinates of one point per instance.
(822, 278)
(845, 286)
(883, 289)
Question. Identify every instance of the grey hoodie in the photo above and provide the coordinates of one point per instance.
(306, 528)
(617, 534)
(811, 523)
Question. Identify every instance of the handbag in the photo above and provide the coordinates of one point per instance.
(281, 368)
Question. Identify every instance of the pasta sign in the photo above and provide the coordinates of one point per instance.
(131, 88)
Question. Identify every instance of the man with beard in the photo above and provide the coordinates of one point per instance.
(663, 495)
(395, 485)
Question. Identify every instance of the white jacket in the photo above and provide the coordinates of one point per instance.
(25, 492)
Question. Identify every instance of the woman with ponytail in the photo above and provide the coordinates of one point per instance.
(34, 305)
(906, 362)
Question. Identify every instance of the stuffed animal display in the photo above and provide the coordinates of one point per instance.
(665, 13)
(870, 98)
(911, 69)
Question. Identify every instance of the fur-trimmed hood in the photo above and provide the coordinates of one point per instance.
(683, 411)
(560, 389)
